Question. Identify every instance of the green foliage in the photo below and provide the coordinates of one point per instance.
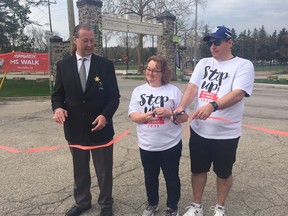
(13, 19)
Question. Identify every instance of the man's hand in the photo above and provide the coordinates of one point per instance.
(99, 122)
(60, 115)
(203, 112)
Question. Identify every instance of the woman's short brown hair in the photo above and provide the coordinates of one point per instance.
(162, 65)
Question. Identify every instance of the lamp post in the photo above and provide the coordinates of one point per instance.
(49, 12)
(176, 39)
(71, 20)
(196, 35)
(50, 35)
(127, 50)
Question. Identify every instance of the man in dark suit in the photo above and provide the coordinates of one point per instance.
(85, 107)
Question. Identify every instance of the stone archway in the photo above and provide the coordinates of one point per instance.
(90, 12)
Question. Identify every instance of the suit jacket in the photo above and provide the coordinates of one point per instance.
(100, 97)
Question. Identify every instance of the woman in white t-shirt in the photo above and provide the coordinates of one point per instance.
(159, 133)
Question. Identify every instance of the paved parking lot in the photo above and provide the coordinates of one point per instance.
(41, 183)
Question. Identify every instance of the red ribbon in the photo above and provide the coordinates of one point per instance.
(266, 130)
(52, 148)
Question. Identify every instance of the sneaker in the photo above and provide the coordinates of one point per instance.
(194, 210)
(218, 210)
(171, 212)
(150, 210)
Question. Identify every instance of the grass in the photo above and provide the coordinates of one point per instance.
(24, 88)
(123, 66)
(273, 81)
(271, 67)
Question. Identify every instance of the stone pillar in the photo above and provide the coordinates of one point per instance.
(165, 44)
(90, 13)
(59, 50)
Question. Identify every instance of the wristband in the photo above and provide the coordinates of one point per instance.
(215, 105)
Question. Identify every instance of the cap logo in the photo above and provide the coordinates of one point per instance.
(219, 32)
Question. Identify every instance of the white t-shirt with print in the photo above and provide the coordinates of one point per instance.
(159, 134)
(214, 80)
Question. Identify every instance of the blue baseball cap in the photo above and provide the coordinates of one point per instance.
(220, 32)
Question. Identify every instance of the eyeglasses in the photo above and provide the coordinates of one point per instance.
(216, 42)
(153, 70)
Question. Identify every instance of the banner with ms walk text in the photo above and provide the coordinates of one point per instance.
(24, 62)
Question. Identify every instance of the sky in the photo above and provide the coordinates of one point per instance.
(238, 14)
(246, 14)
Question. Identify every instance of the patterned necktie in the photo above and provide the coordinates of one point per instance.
(82, 74)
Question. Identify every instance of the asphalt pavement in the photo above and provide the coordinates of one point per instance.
(41, 183)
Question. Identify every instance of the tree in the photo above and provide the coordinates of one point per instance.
(283, 45)
(204, 49)
(37, 36)
(108, 7)
(13, 19)
(272, 46)
(129, 42)
(262, 51)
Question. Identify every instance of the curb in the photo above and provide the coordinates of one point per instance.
(265, 85)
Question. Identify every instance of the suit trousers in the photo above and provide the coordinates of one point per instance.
(103, 164)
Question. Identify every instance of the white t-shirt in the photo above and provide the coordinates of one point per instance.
(160, 134)
(214, 80)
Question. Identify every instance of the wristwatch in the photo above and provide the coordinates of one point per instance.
(215, 105)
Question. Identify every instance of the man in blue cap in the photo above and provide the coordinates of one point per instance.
(218, 85)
